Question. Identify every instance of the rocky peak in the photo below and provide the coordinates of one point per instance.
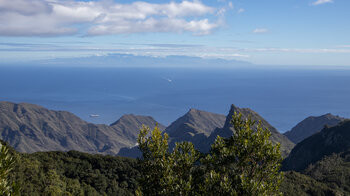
(244, 111)
(131, 118)
(226, 131)
(200, 121)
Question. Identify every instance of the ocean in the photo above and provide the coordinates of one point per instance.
(283, 96)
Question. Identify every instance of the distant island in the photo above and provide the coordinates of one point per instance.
(129, 60)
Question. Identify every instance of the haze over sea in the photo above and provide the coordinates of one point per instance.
(284, 97)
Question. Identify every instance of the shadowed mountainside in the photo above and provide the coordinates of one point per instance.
(32, 128)
(312, 125)
(324, 143)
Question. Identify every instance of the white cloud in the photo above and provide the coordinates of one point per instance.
(160, 50)
(319, 2)
(24, 7)
(300, 50)
(230, 4)
(221, 11)
(343, 46)
(198, 27)
(260, 30)
(241, 10)
(54, 17)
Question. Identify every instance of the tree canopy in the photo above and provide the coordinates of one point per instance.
(7, 163)
(246, 163)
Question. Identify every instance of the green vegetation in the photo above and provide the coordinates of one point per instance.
(75, 173)
(330, 176)
(7, 162)
(302, 185)
(246, 163)
(164, 172)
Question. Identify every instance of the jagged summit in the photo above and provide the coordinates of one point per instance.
(312, 125)
(201, 122)
(244, 111)
(226, 131)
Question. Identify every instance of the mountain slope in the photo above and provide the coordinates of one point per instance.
(32, 128)
(201, 128)
(194, 126)
(326, 142)
(226, 131)
(311, 125)
(129, 125)
(329, 176)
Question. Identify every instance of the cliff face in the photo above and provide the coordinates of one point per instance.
(31, 128)
(312, 149)
(312, 125)
(227, 130)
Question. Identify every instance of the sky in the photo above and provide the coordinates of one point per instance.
(269, 32)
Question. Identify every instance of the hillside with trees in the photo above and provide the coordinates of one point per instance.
(329, 176)
(314, 148)
(246, 162)
(74, 173)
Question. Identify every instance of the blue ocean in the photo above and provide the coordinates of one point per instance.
(283, 97)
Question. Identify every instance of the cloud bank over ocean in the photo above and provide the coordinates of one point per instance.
(52, 17)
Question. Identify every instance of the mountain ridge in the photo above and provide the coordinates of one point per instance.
(31, 128)
(312, 125)
(227, 130)
(184, 129)
(194, 126)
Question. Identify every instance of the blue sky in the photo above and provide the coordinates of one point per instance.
(271, 32)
